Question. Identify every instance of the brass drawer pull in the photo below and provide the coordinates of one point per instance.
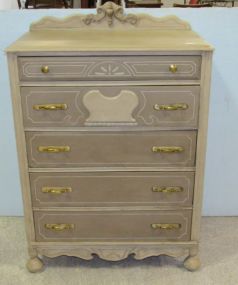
(166, 226)
(45, 69)
(54, 149)
(167, 149)
(171, 107)
(50, 107)
(167, 189)
(59, 227)
(173, 68)
(56, 190)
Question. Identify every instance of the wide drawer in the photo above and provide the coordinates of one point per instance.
(109, 68)
(112, 189)
(161, 106)
(113, 225)
(102, 149)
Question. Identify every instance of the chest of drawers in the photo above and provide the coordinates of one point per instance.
(111, 119)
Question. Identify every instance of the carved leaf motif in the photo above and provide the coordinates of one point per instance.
(113, 254)
(110, 10)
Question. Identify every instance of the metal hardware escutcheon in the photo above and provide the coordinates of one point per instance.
(171, 107)
(54, 149)
(173, 68)
(56, 190)
(167, 149)
(166, 226)
(167, 189)
(50, 107)
(59, 227)
(45, 69)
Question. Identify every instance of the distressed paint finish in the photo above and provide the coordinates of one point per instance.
(129, 145)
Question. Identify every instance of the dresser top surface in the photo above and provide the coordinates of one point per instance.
(110, 30)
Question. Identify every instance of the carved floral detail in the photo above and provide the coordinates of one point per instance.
(110, 10)
(114, 16)
(112, 253)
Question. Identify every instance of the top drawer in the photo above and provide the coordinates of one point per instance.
(109, 68)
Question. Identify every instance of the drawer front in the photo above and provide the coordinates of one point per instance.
(112, 189)
(91, 149)
(109, 68)
(113, 225)
(159, 106)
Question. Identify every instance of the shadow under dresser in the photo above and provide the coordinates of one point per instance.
(111, 116)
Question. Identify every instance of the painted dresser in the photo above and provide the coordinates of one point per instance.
(111, 120)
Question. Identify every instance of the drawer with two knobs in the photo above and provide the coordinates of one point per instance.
(72, 68)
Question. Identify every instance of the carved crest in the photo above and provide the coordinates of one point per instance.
(110, 15)
(109, 11)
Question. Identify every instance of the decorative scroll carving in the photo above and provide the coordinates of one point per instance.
(110, 10)
(115, 253)
(110, 15)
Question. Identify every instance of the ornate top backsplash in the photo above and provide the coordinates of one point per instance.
(110, 15)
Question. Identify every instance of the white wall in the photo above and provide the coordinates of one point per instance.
(219, 27)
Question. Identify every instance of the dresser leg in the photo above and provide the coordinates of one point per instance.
(35, 264)
(192, 263)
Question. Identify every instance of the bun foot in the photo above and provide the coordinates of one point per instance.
(192, 263)
(35, 265)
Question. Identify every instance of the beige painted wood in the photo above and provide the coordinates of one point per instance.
(109, 68)
(100, 169)
(116, 166)
(112, 189)
(130, 32)
(115, 251)
(91, 106)
(201, 144)
(21, 151)
(104, 149)
(95, 226)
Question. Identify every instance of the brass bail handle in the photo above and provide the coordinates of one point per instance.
(171, 107)
(59, 227)
(166, 226)
(50, 107)
(54, 149)
(167, 189)
(167, 149)
(56, 190)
